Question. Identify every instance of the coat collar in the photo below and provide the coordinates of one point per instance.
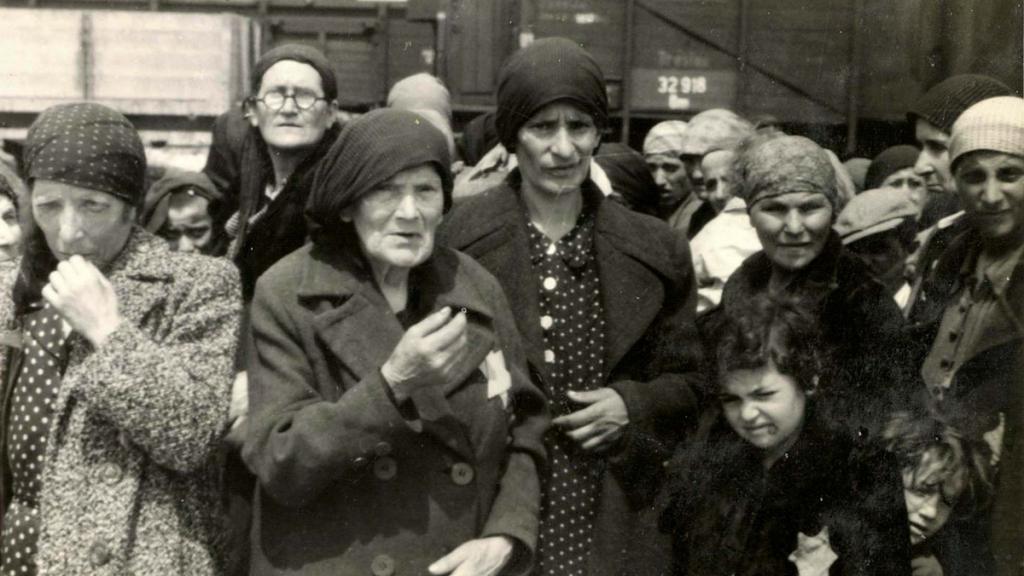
(633, 268)
(818, 279)
(338, 274)
(957, 262)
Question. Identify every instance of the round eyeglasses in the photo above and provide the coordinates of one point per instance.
(303, 100)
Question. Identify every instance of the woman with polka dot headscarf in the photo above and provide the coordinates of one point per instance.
(116, 369)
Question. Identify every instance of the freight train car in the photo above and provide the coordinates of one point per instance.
(845, 69)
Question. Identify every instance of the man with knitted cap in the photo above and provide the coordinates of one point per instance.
(662, 147)
(121, 362)
(971, 311)
(604, 299)
(932, 118)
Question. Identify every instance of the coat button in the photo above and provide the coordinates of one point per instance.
(382, 449)
(383, 565)
(99, 554)
(359, 461)
(462, 473)
(385, 468)
(110, 473)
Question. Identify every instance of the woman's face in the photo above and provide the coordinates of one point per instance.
(10, 230)
(397, 220)
(554, 148)
(763, 406)
(793, 228)
(76, 220)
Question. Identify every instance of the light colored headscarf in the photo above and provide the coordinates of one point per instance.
(665, 138)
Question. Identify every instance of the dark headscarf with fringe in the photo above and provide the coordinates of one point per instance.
(369, 151)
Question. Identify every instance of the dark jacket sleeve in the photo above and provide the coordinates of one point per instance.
(873, 536)
(299, 442)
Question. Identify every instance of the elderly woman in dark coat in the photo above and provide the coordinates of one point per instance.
(393, 428)
(605, 299)
(790, 188)
(116, 369)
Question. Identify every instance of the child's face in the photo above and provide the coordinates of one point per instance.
(764, 407)
(930, 491)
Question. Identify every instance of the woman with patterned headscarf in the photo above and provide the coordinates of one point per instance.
(790, 188)
(116, 369)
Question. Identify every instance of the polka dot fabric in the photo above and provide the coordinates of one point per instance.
(31, 412)
(572, 321)
(87, 145)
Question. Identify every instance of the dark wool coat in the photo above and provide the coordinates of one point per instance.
(652, 353)
(728, 516)
(129, 484)
(870, 360)
(349, 482)
(242, 170)
(991, 382)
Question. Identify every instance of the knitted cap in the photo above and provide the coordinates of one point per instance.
(87, 145)
(665, 138)
(889, 161)
(549, 70)
(995, 124)
(874, 211)
(298, 53)
(715, 129)
(944, 102)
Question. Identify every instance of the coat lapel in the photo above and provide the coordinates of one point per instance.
(632, 291)
(493, 233)
(347, 304)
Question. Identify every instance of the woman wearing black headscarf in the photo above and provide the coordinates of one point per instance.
(604, 298)
(393, 425)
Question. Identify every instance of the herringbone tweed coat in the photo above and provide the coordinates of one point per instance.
(129, 482)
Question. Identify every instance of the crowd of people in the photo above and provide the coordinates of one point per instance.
(381, 347)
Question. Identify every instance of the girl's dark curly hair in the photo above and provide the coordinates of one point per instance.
(783, 331)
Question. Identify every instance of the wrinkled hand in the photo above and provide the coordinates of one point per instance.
(84, 298)
(428, 352)
(926, 566)
(481, 557)
(600, 424)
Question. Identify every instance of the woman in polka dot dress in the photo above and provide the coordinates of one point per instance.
(605, 300)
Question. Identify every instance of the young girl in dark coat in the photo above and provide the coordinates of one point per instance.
(769, 487)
